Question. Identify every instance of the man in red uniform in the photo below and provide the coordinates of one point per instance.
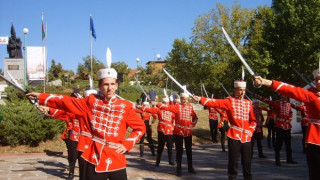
(108, 118)
(282, 127)
(258, 133)
(165, 130)
(311, 99)
(213, 123)
(186, 119)
(223, 127)
(242, 125)
(146, 118)
(304, 123)
(270, 123)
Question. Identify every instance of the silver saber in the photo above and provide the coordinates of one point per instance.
(237, 52)
(144, 92)
(205, 91)
(183, 88)
(225, 89)
(303, 78)
(13, 84)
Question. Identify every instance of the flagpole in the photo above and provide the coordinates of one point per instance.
(46, 60)
(44, 80)
(91, 47)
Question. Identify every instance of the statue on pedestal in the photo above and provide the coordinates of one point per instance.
(14, 45)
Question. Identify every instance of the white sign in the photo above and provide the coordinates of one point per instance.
(4, 40)
(36, 62)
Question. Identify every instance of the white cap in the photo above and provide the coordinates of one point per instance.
(316, 73)
(107, 73)
(90, 91)
(165, 99)
(145, 103)
(184, 95)
(239, 84)
(255, 101)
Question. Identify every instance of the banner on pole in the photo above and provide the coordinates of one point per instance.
(4, 39)
(36, 63)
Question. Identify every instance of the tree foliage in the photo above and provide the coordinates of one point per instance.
(209, 57)
(151, 75)
(22, 125)
(122, 67)
(84, 70)
(293, 38)
(57, 72)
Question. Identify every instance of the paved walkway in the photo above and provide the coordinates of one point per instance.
(209, 161)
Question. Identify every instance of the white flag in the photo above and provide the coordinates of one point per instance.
(4, 40)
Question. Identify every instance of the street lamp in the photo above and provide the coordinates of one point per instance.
(138, 60)
(25, 32)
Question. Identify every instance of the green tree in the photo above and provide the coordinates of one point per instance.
(209, 57)
(55, 70)
(292, 38)
(150, 76)
(1, 72)
(122, 67)
(84, 70)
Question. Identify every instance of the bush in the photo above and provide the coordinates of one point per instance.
(22, 125)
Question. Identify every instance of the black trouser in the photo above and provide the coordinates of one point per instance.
(236, 148)
(313, 160)
(304, 131)
(271, 133)
(72, 152)
(179, 149)
(257, 136)
(162, 139)
(149, 139)
(114, 175)
(283, 135)
(213, 123)
(82, 167)
(223, 131)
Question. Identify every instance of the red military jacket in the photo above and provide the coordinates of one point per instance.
(223, 117)
(166, 119)
(53, 113)
(271, 114)
(71, 118)
(108, 121)
(144, 115)
(283, 113)
(186, 118)
(259, 117)
(240, 114)
(304, 115)
(311, 99)
(213, 113)
(81, 134)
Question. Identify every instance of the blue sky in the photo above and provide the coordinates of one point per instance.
(130, 28)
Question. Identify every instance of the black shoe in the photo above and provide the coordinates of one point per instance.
(179, 173)
(292, 162)
(192, 171)
(262, 156)
(70, 176)
(156, 165)
(171, 163)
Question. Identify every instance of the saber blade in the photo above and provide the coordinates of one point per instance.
(13, 84)
(225, 90)
(237, 52)
(174, 80)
